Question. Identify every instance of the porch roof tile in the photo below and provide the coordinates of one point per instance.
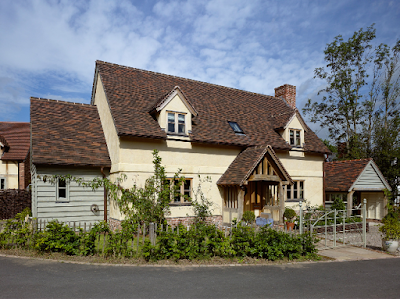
(240, 169)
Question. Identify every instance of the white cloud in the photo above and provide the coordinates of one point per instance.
(48, 48)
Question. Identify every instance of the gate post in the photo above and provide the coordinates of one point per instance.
(301, 216)
(334, 228)
(364, 212)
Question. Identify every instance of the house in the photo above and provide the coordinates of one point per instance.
(14, 155)
(258, 151)
(67, 139)
(355, 180)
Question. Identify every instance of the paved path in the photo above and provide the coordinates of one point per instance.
(351, 253)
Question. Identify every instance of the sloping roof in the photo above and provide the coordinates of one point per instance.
(132, 93)
(65, 133)
(244, 164)
(17, 137)
(341, 176)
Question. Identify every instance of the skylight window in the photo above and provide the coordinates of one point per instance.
(235, 127)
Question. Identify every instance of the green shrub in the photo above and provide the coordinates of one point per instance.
(289, 214)
(248, 217)
(58, 237)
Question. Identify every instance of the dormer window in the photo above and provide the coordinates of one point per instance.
(235, 127)
(176, 123)
(295, 137)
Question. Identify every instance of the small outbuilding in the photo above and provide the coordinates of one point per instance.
(354, 180)
(67, 140)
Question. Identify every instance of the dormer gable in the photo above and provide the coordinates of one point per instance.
(174, 113)
(293, 131)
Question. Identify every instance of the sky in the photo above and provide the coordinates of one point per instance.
(48, 48)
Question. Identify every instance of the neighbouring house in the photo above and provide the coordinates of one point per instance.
(67, 139)
(14, 155)
(356, 180)
(258, 151)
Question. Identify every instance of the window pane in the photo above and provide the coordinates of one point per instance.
(62, 193)
(171, 117)
(171, 122)
(61, 183)
(297, 137)
(235, 127)
(301, 190)
(295, 188)
(2, 183)
(177, 197)
(291, 137)
(288, 192)
(187, 189)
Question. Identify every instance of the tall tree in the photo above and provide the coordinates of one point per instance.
(361, 101)
(345, 74)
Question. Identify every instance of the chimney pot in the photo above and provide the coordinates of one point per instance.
(288, 93)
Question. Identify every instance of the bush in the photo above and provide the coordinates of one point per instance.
(248, 217)
(58, 237)
(200, 241)
(289, 214)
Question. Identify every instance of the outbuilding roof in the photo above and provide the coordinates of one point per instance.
(65, 133)
(347, 175)
(15, 136)
(133, 93)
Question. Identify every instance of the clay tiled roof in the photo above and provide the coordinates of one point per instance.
(340, 175)
(132, 93)
(17, 138)
(241, 168)
(65, 133)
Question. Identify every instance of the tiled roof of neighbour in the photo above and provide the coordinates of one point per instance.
(242, 167)
(340, 175)
(132, 93)
(17, 137)
(65, 133)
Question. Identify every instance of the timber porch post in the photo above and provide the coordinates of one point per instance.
(281, 203)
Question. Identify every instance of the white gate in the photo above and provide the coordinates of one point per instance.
(337, 227)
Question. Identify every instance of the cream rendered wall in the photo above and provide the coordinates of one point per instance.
(307, 167)
(9, 171)
(193, 159)
(107, 122)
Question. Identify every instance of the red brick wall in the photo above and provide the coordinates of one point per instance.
(288, 93)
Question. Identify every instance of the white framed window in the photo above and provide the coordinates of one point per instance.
(294, 138)
(176, 123)
(62, 190)
(296, 191)
(184, 193)
(2, 184)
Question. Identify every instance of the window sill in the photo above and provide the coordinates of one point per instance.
(180, 204)
(294, 200)
(177, 134)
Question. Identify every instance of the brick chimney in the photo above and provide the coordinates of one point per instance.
(288, 93)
